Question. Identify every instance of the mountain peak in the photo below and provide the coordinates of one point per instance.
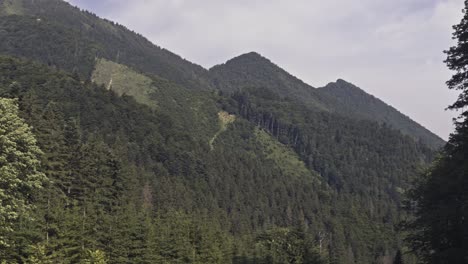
(346, 87)
(340, 83)
(249, 57)
(356, 102)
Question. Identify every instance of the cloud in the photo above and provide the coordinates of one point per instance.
(392, 49)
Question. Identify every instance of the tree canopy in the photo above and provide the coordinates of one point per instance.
(439, 231)
(20, 175)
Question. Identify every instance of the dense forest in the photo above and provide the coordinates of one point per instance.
(253, 70)
(113, 150)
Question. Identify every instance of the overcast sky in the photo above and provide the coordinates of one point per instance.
(391, 49)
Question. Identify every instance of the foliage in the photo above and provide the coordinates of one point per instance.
(77, 37)
(96, 257)
(398, 258)
(38, 255)
(438, 232)
(355, 102)
(289, 246)
(253, 70)
(114, 162)
(155, 170)
(20, 176)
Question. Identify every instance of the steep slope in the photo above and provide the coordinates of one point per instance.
(80, 39)
(82, 34)
(192, 110)
(272, 151)
(120, 162)
(356, 102)
(367, 165)
(253, 70)
(249, 180)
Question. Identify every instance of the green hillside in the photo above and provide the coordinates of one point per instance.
(356, 102)
(11, 7)
(79, 39)
(128, 155)
(253, 70)
(153, 159)
(55, 24)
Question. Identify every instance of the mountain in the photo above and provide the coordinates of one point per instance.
(356, 102)
(253, 70)
(105, 39)
(153, 159)
(78, 37)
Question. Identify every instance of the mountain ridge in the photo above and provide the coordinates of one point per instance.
(254, 70)
(151, 59)
(353, 99)
(109, 40)
(149, 163)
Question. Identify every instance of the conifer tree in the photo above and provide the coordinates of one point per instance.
(20, 176)
(398, 258)
(440, 227)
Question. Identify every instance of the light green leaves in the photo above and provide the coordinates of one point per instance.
(19, 167)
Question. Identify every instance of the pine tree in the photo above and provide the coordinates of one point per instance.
(38, 255)
(398, 258)
(96, 257)
(457, 61)
(440, 227)
(20, 176)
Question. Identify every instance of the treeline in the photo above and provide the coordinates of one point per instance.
(369, 166)
(59, 35)
(336, 146)
(133, 183)
(124, 186)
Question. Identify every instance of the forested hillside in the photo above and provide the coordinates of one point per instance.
(253, 70)
(356, 102)
(35, 28)
(147, 158)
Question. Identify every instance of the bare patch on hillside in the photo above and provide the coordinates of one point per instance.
(224, 119)
(284, 157)
(123, 80)
(11, 7)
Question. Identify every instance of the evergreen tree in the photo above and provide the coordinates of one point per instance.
(38, 255)
(283, 245)
(20, 176)
(398, 258)
(115, 164)
(96, 257)
(457, 61)
(440, 227)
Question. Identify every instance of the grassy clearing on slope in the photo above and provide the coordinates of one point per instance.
(224, 119)
(282, 155)
(123, 80)
(11, 7)
(189, 110)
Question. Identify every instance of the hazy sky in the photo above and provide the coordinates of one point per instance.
(391, 49)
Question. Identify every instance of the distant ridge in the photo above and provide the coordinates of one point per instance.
(153, 158)
(100, 38)
(97, 38)
(356, 102)
(253, 70)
